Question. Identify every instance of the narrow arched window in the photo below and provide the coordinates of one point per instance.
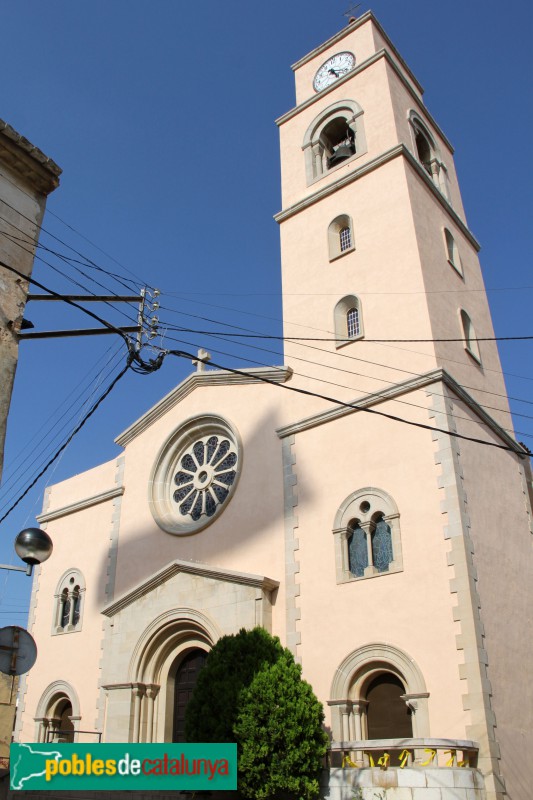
(367, 536)
(348, 320)
(340, 236)
(452, 252)
(352, 323)
(469, 335)
(357, 550)
(423, 149)
(382, 545)
(69, 602)
(65, 608)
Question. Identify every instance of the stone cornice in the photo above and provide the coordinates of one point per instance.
(394, 391)
(193, 568)
(394, 152)
(80, 505)
(197, 379)
(373, 59)
(27, 160)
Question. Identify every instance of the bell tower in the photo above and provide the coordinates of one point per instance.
(375, 243)
(384, 308)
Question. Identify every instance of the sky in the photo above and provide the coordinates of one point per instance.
(161, 115)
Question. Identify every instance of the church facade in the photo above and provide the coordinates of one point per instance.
(380, 526)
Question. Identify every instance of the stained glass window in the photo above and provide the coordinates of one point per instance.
(382, 546)
(357, 551)
(207, 470)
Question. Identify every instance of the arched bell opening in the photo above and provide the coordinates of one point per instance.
(338, 141)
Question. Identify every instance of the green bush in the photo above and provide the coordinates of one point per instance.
(280, 735)
(251, 692)
(230, 667)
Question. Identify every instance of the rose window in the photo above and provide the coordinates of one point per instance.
(206, 472)
(195, 474)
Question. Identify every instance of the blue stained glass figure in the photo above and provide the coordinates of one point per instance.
(357, 552)
(382, 546)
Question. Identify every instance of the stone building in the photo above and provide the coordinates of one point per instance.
(27, 177)
(366, 533)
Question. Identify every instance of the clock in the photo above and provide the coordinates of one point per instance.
(333, 69)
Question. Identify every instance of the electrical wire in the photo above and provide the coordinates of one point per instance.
(520, 450)
(65, 444)
(20, 463)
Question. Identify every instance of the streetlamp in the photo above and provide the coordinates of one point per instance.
(33, 546)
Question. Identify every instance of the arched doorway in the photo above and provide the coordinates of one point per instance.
(65, 726)
(387, 714)
(185, 679)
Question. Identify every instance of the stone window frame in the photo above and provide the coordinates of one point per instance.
(452, 252)
(340, 323)
(355, 507)
(47, 717)
(71, 587)
(313, 148)
(436, 169)
(347, 693)
(161, 483)
(335, 227)
(468, 332)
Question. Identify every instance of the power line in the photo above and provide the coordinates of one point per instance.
(72, 435)
(20, 462)
(353, 406)
(353, 388)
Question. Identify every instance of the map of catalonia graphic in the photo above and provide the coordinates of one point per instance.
(19, 775)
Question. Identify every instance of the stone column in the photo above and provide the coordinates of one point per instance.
(358, 709)
(151, 693)
(366, 527)
(138, 691)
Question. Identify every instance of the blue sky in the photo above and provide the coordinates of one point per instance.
(162, 116)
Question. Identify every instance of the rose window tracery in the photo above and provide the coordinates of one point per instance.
(206, 472)
(195, 474)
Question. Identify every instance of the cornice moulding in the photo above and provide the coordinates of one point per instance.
(197, 379)
(192, 568)
(373, 59)
(27, 160)
(80, 505)
(398, 389)
(395, 152)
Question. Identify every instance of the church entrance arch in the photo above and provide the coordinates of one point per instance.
(164, 668)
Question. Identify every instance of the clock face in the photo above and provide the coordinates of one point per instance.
(333, 69)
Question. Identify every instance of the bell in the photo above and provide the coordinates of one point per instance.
(342, 152)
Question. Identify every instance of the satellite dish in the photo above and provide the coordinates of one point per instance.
(18, 651)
